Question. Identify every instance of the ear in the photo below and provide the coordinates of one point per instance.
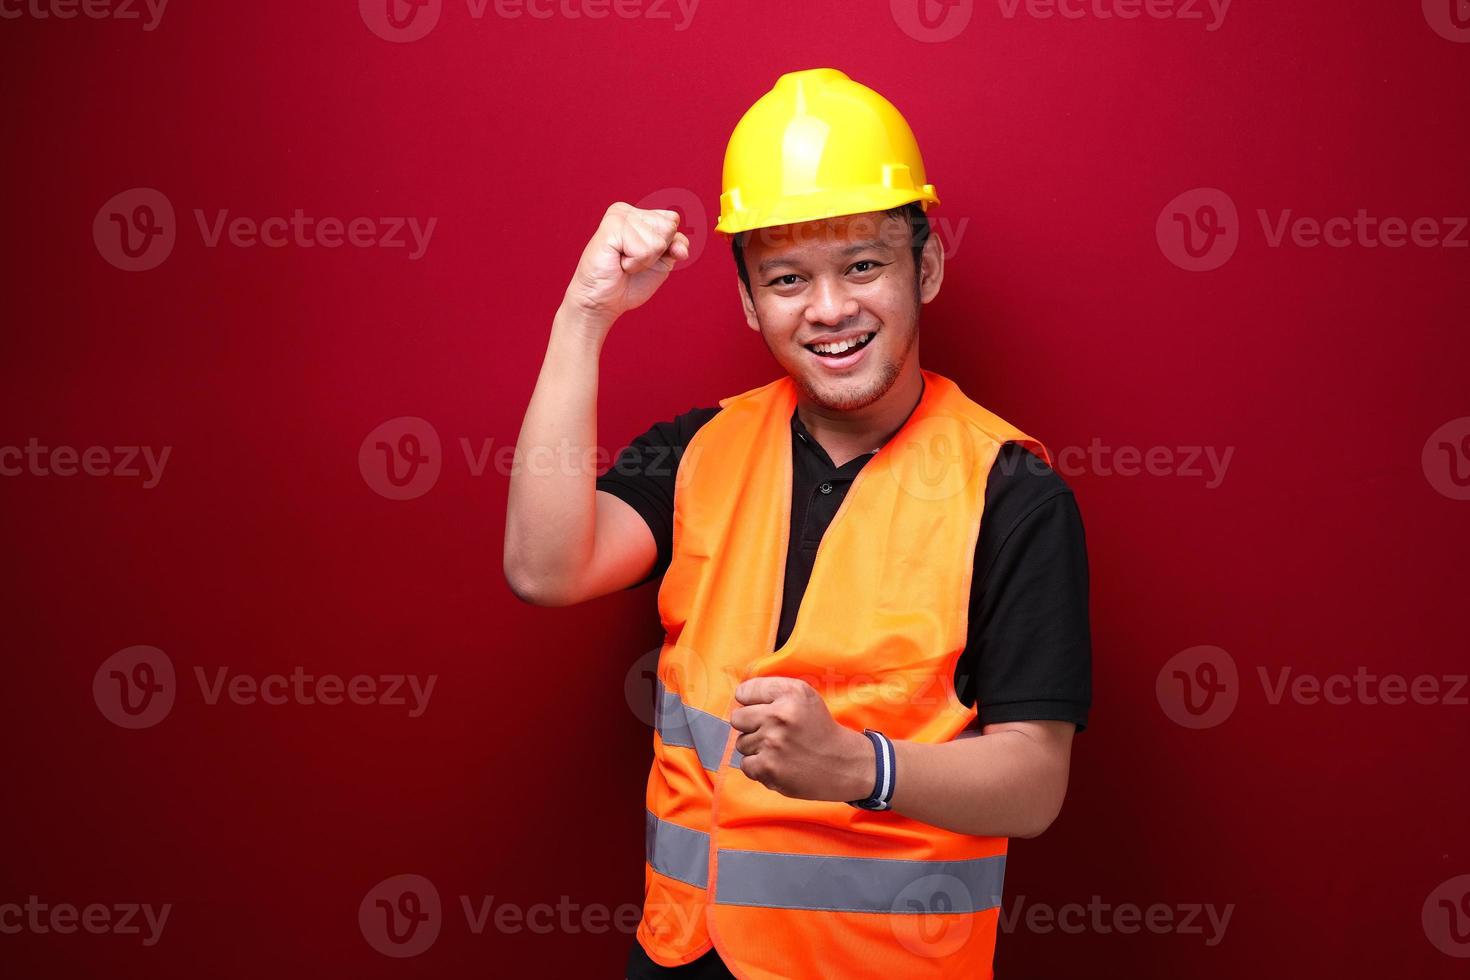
(931, 268)
(747, 305)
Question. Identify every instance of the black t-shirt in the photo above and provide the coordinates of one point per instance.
(1028, 653)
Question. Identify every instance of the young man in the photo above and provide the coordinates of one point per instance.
(874, 590)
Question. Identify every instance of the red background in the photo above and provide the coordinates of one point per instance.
(1325, 548)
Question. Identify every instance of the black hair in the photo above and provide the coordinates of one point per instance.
(918, 236)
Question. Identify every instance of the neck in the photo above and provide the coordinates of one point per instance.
(845, 435)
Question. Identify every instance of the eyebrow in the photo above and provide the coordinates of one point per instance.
(852, 249)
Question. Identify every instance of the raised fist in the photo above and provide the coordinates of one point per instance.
(628, 258)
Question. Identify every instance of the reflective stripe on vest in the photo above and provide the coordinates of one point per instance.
(678, 852)
(679, 724)
(823, 883)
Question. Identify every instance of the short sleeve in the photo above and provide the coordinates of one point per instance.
(1029, 653)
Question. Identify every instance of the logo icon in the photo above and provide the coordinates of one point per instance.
(1199, 230)
(400, 21)
(924, 922)
(1450, 19)
(1446, 459)
(693, 219)
(1446, 917)
(932, 21)
(929, 460)
(401, 458)
(1199, 687)
(135, 230)
(401, 916)
(134, 688)
(640, 686)
(686, 670)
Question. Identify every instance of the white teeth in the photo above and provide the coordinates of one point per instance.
(838, 348)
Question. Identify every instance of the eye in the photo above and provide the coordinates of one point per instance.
(781, 280)
(865, 262)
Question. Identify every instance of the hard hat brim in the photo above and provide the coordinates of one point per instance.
(825, 204)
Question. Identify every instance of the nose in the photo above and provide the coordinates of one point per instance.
(830, 305)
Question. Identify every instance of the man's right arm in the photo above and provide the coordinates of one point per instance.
(564, 541)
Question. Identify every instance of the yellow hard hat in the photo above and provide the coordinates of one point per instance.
(816, 145)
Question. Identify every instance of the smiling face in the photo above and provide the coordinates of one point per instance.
(837, 303)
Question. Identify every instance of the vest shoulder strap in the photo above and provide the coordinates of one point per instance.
(986, 423)
(768, 388)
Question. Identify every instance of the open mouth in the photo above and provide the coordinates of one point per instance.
(842, 350)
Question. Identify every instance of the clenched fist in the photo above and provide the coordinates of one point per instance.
(793, 745)
(629, 257)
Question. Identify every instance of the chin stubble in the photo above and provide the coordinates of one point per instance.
(885, 374)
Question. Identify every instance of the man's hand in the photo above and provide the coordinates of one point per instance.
(793, 745)
(628, 258)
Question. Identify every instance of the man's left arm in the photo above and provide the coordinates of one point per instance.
(1007, 782)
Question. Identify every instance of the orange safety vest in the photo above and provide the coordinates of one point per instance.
(790, 889)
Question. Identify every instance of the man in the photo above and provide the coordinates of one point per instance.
(874, 590)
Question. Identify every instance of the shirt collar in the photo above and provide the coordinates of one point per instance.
(800, 429)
